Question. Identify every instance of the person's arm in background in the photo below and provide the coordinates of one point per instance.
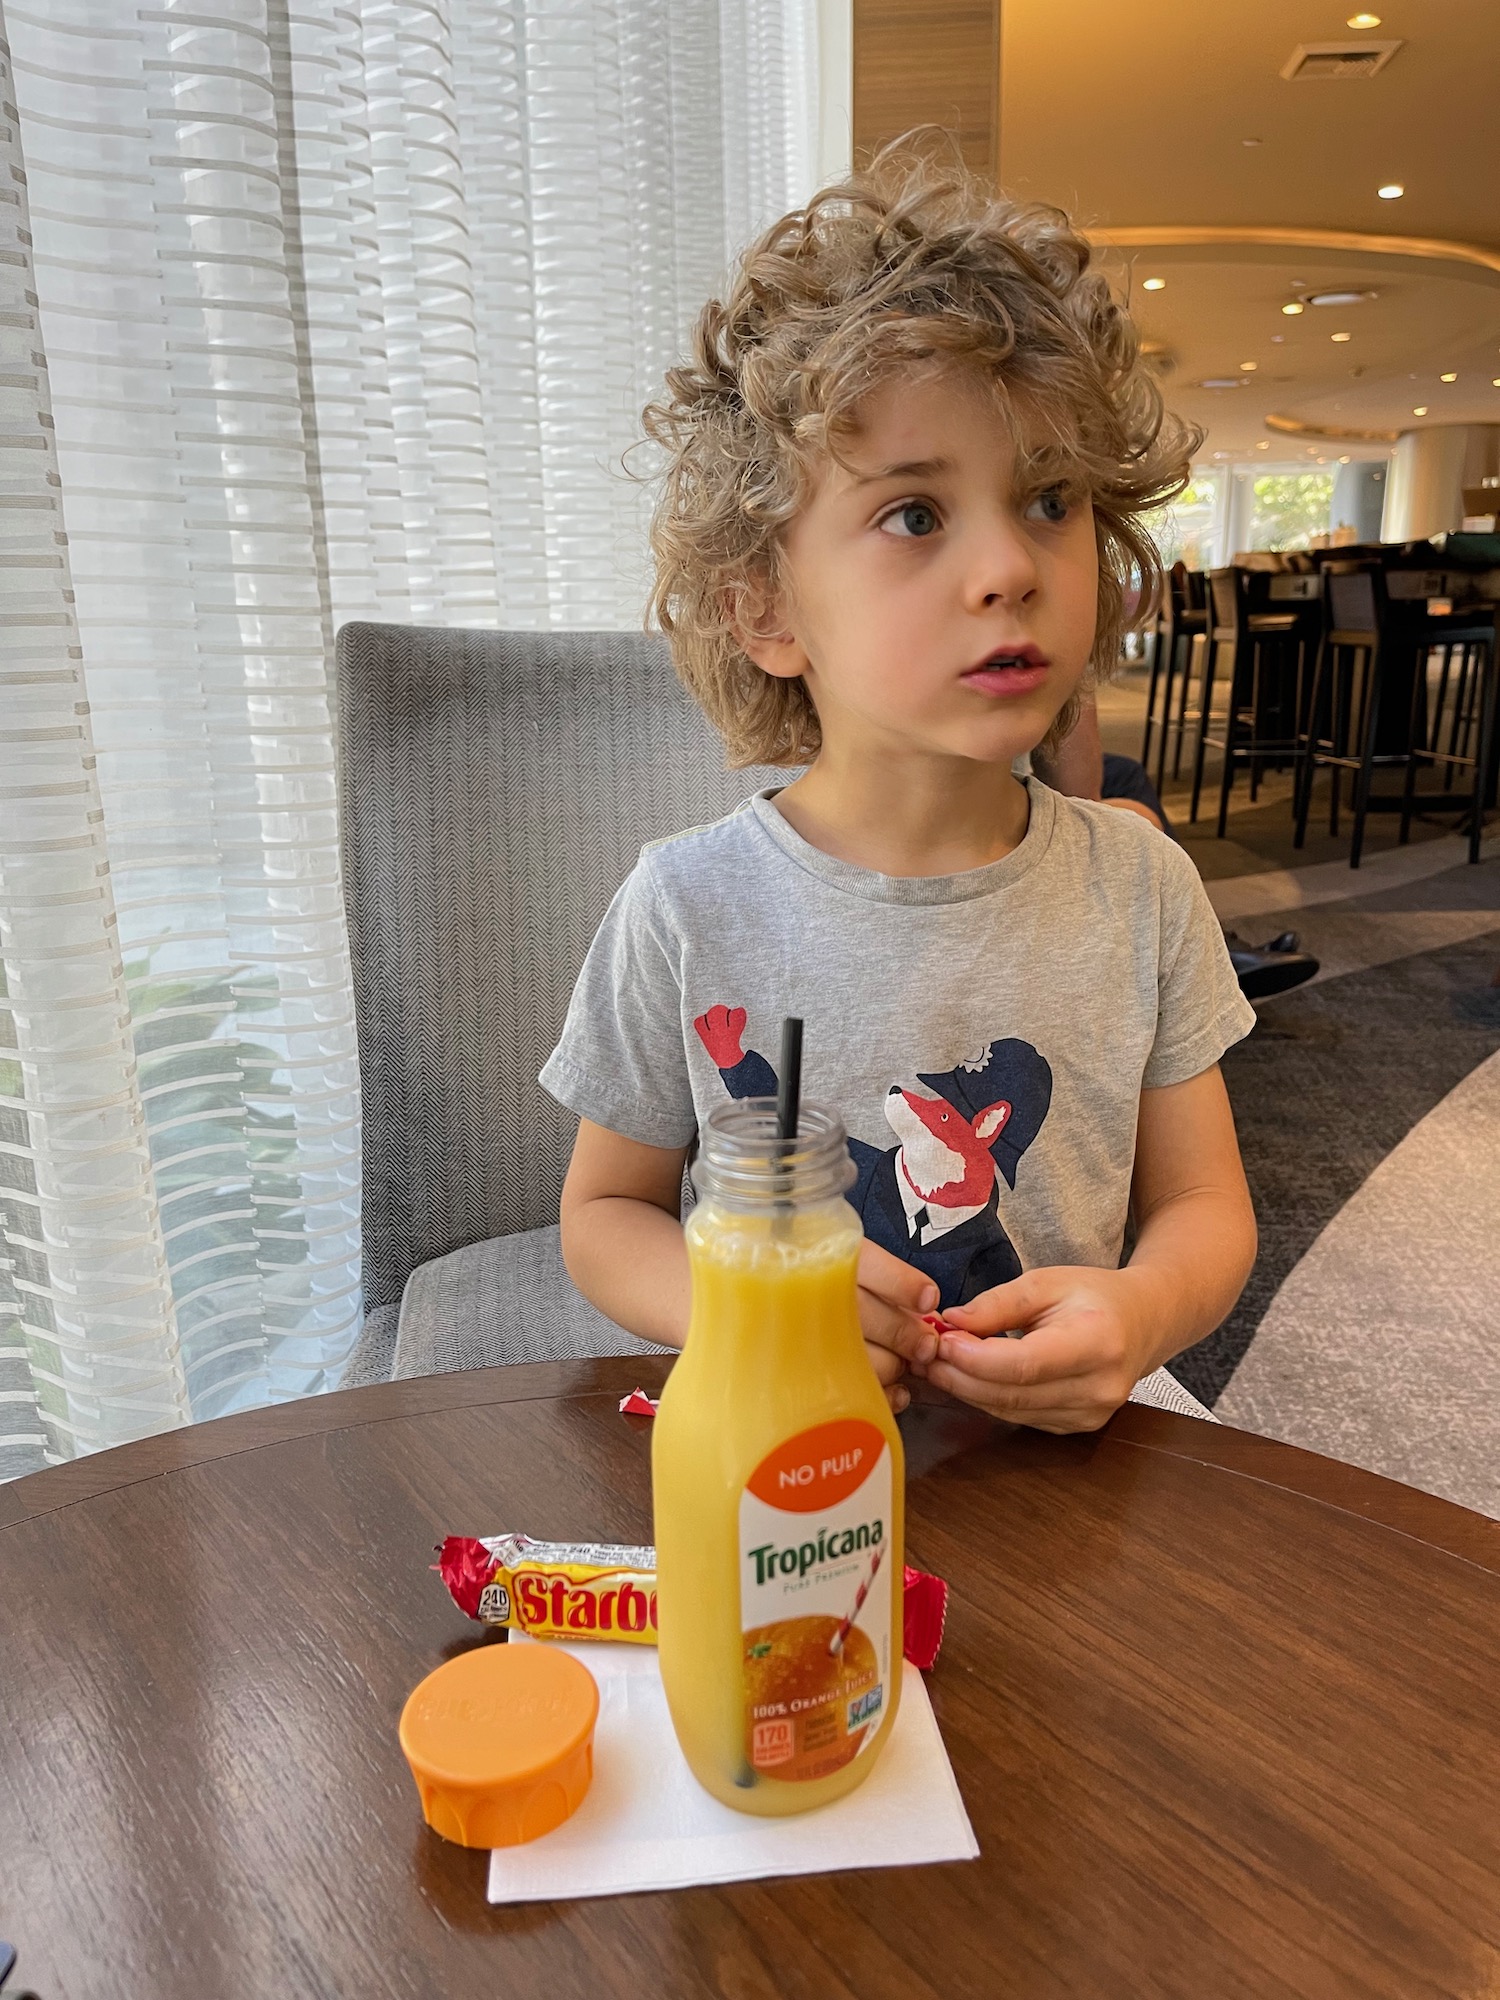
(1076, 766)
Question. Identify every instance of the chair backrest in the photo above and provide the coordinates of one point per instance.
(1351, 598)
(495, 789)
(1224, 595)
(1174, 598)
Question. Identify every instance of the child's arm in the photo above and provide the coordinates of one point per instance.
(1089, 1335)
(621, 1237)
(622, 1243)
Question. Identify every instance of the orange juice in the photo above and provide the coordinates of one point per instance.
(778, 1481)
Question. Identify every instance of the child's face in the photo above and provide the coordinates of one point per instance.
(903, 583)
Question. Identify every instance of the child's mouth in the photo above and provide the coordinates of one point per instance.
(1008, 673)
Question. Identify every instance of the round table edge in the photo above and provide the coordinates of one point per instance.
(1385, 1503)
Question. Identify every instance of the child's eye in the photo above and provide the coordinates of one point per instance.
(1052, 506)
(918, 519)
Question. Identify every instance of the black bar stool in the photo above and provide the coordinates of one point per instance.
(1455, 696)
(1356, 661)
(1261, 652)
(1184, 619)
(1163, 647)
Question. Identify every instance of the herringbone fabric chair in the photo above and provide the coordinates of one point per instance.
(495, 789)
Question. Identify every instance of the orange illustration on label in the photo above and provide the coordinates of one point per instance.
(815, 1599)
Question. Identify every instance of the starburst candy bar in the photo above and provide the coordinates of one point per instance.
(554, 1590)
(606, 1590)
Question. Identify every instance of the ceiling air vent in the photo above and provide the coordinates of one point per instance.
(1310, 60)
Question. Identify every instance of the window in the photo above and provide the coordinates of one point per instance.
(1288, 509)
(1184, 531)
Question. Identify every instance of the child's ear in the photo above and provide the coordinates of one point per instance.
(758, 623)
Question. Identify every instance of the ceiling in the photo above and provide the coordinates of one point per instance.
(1133, 117)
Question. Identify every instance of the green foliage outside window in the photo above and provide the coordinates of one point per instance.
(1289, 509)
(1184, 531)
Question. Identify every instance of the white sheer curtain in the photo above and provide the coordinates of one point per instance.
(309, 310)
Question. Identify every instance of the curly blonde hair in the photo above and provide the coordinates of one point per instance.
(910, 263)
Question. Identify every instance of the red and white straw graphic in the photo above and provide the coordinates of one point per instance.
(836, 1643)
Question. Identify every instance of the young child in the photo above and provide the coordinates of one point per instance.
(905, 468)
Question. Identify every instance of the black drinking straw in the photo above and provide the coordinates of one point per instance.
(789, 1091)
(788, 1110)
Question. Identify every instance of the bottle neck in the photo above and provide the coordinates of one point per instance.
(745, 1165)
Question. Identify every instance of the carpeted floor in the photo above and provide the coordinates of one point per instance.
(1368, 1106)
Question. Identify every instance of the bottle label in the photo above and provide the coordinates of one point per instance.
(815, 1599)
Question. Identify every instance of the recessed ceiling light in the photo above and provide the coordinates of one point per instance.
(1341, 336)
(1293, 307)
(1420, 410)
(1264, 446)
(1221, 382)
(1363, 21)
(1248, 367)
(1340, 298)
(1448, 378)
(1277, 339)
(1345, 459)
(1249, 142)
(1392, 191)
(1495, 381)
(1153, 284)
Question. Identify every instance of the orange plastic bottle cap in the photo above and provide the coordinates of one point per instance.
(501, 1743)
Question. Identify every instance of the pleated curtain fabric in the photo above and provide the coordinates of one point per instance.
(310, 310)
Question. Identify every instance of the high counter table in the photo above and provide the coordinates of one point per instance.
(1226, 1717)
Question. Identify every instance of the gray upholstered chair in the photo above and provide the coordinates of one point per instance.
(495, 789)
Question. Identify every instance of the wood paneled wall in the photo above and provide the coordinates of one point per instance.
(928, 61)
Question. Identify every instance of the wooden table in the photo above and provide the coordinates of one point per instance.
(1224, 1716)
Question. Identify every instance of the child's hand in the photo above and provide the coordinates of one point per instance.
(892, 1298)
(1088, 1337)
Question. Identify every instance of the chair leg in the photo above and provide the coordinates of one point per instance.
(1489, 702)
(1226, 782)
(1165, 728)
(1178, 678)
(1340, 733)
(1151, 700)
(1307, 765)
(1416, 735)
(1369, 710)
(1205, 702)
(1182, 703)
(1302, 778)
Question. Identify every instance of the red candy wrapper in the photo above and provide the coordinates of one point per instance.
(924, 1614)
(579, 1590)
(637, 1404)
(466, 1566)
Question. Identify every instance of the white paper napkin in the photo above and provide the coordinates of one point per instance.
(648, 1824)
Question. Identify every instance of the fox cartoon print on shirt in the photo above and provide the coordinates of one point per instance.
(932, 1199)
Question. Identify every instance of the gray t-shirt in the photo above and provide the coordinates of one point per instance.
(985, 1036)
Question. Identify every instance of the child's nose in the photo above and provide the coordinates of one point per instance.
(1005, 569)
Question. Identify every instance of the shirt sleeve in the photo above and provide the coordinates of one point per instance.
(1201, 1011)
(620, 1060)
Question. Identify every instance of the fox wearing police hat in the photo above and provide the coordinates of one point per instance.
(932, 1199)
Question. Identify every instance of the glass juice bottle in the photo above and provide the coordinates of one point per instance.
(778, 1480)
